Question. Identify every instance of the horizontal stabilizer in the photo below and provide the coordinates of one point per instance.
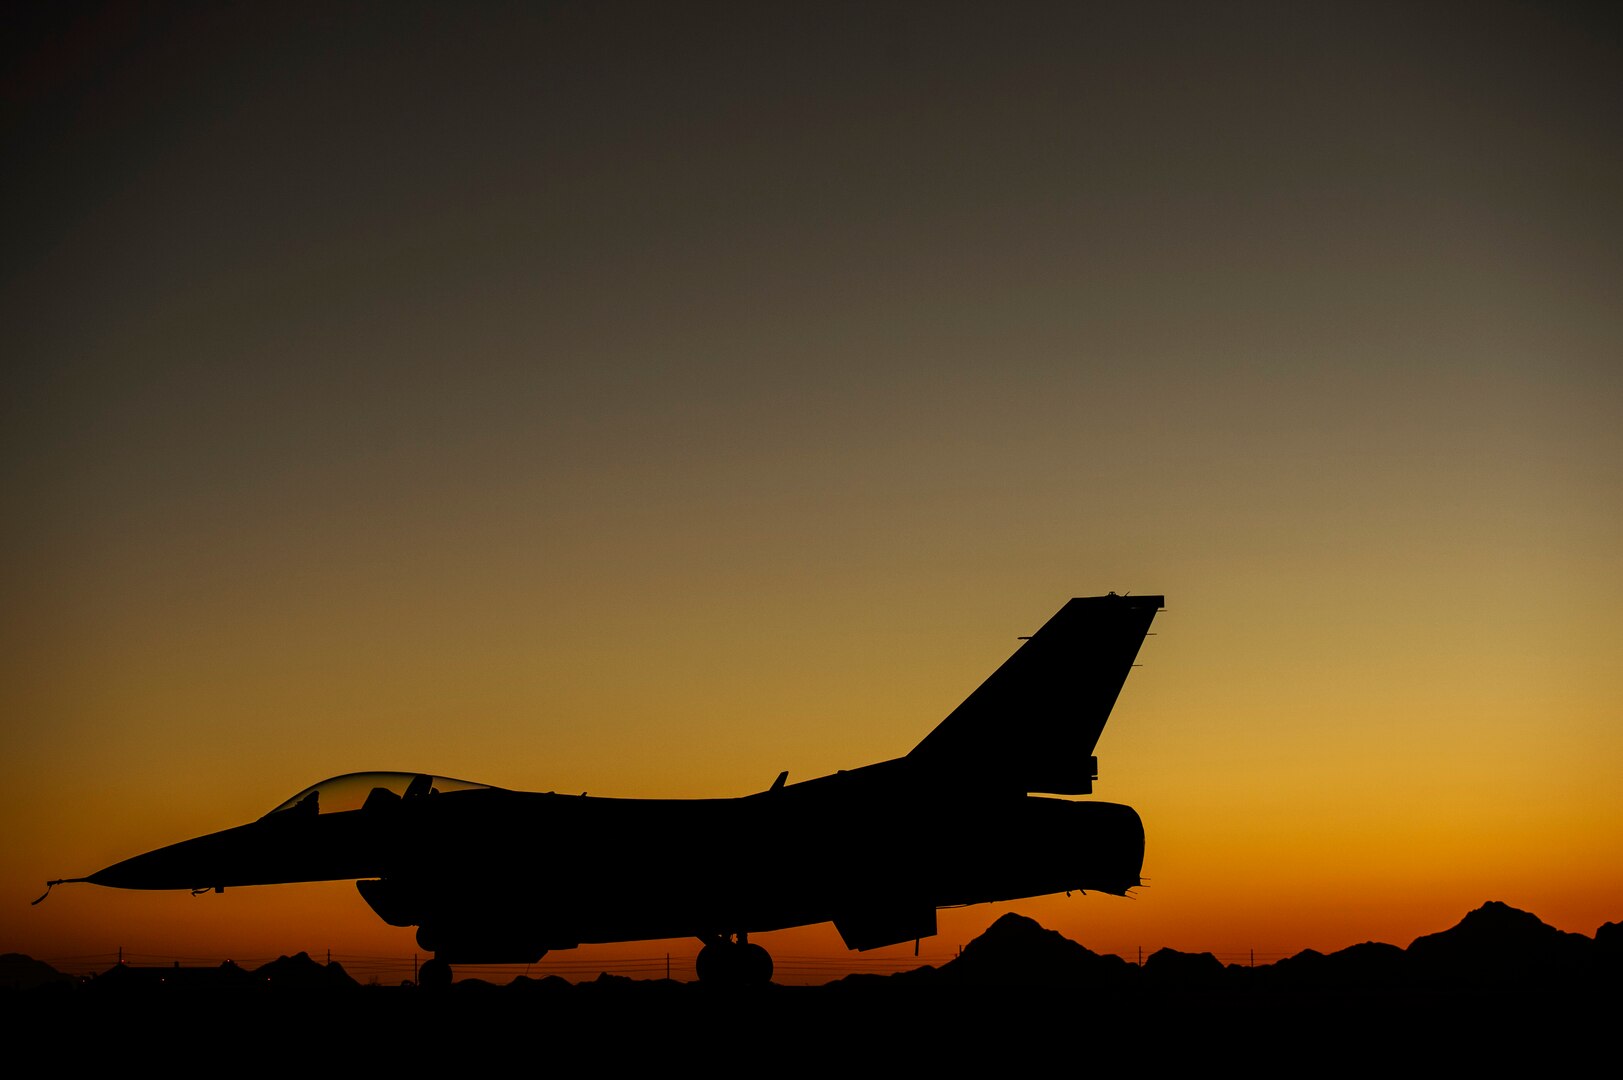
(1033, 724)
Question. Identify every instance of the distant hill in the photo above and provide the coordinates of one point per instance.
(19, 972)
(1500, 945)
(1493, 948)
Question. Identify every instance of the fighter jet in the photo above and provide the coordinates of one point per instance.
(490, 875)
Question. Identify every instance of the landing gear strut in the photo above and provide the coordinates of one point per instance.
(726, 962)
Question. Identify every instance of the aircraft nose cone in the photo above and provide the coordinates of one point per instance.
(205, 862)
(267, 852)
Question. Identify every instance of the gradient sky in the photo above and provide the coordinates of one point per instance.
(644, 399)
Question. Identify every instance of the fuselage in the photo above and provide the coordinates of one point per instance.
(492, 875)
(495, 875)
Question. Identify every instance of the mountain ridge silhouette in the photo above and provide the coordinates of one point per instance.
(1494, 946)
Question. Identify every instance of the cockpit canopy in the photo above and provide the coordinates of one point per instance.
(350, 791)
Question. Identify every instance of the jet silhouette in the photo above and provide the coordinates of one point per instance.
(489, 875)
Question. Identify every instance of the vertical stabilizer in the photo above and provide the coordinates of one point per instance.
(1033, 724)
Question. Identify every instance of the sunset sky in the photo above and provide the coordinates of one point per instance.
(645, 399)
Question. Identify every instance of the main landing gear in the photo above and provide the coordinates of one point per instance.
(434, 974)
(726, 962)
